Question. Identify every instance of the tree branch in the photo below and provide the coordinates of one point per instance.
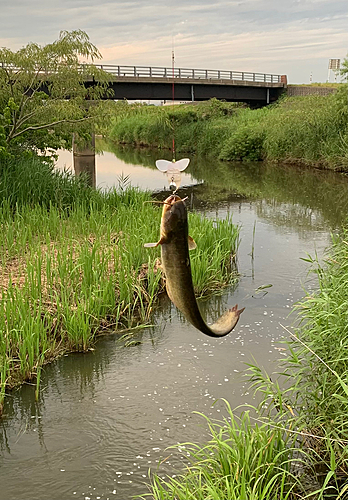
(26, 118)
(25, 99)
(48, 125)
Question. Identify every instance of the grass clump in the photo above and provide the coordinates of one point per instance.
(75, 266)
(34, 181)
(312, 129)
(242, 460)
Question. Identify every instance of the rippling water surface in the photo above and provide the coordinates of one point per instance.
(106, 417)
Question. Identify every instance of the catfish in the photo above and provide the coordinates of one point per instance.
(175, 245)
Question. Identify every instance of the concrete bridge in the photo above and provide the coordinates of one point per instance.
(156, 83)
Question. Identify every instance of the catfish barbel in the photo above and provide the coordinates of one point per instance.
(175, 244)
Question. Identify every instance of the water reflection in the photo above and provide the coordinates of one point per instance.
(84, 158)
(105, 169)
(315, 198)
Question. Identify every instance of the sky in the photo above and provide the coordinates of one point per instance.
(293, 37)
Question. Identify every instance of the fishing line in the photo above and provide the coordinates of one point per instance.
(173, 168)
(173, 97)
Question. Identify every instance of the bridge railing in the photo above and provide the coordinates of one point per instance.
(203, 74)
(159, 72)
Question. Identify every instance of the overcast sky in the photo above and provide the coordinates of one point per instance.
(293, 37)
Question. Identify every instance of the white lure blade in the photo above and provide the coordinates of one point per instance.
(167, 166)
(182, 164)
(163, 165)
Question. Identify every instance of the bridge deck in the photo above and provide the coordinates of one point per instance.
(197, 81)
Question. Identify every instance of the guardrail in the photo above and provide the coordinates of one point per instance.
(206, 74)
(158, 72)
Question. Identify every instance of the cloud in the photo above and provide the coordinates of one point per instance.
(290, 51)
(253, 35)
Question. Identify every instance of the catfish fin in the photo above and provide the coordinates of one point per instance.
(151, 245)
(191, 243)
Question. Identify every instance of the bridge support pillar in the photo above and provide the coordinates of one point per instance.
(192, 93)
(84, 158)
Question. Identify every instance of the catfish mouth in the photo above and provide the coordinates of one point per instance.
(169, 202)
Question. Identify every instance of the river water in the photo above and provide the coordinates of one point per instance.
(106, 417)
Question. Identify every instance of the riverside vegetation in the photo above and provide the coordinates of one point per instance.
(295, 444)
(285, 131)
(73, 264)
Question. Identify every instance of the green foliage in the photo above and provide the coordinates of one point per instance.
(344, 68)
(138, 124)
(213, 261)
(325, 331)
(32, 180)
(3, 145)
(241, 461)
(43, 95)
(311, 393)
(243, 144)
(311, 130)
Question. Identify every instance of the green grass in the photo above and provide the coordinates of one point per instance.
(311, 130)
(311, 393)
(32, 181)
(213, 247)
(241, 461)
(76, 266)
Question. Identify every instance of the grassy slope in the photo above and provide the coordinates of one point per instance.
(310, 130)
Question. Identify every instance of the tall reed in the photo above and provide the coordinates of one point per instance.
(311, 393)
(241, 461)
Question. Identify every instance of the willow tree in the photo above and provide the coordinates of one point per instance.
(46, 92)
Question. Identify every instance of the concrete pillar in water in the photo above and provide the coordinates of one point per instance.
(84, 158)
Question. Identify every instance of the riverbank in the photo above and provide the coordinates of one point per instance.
(309, 130)
(296, 446)
(74, 266)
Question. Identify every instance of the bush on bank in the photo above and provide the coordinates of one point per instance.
(311, 130)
